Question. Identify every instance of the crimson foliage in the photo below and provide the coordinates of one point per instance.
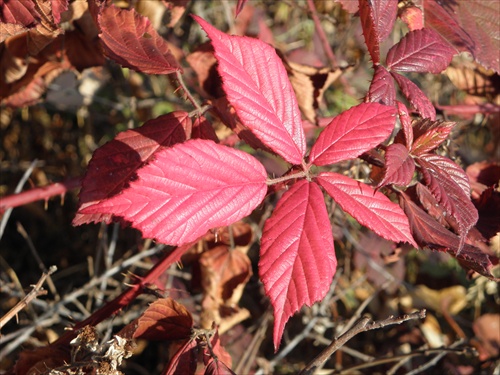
(177, 189)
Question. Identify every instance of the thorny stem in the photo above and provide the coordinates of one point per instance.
(127, 296)
(178, 76)
(35, 292)
(362, 325)
(46, 192)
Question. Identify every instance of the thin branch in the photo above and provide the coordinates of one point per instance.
(321, 33)
(35, 292)
(33, 195)
(362, 325)
(19, 187)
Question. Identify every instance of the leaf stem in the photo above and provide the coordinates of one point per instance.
(274, 181)
(190, 97)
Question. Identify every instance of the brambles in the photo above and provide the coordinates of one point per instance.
(179, 182)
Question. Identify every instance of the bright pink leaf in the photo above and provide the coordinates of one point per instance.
(297, 256)
(257, 86)
(399, 166)
(415, 96)
(371, 208)
(188, 189)
(382, 89)
(447, 183)
(129, 39)
(353, 132)
(369, 30)
(115, 164)
(468, 25)
(429, 135)
(420, 51)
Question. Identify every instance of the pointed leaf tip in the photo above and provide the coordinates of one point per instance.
(257, 86)
(297, 256)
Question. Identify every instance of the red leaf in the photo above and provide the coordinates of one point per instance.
(447, 182)
(202, 129)
(399, 166)
(428, 233)
(353, 132)
(454, 171)
(189, 189)
(429, 135)
(420, 51)
(468, 25)
(20, 12)
(371, 208)
(129, 39)
(382, 89)
(164, 319)
(115, 164)
(257, 86)
(297, 257)
(415, 96)
(369, 30)
(384, 14)
(184, 360)
(406, 125)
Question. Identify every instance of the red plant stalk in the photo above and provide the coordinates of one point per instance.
(126, 297)
(36, 194)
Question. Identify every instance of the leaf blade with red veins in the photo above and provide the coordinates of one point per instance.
(420, 51)
(188, 189)
(257, 86)
(129, 39)
(447, 181)
(297, 256)
(371, 208)
(415, 96)
(429, 135)
(382, 89)
(470, 25)
(114, 165)
(428, 233)
(19, 13)
(454, 171)
(353, 132)
(384, 13)
(369, 30)
(164, 319)
(399, 166)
